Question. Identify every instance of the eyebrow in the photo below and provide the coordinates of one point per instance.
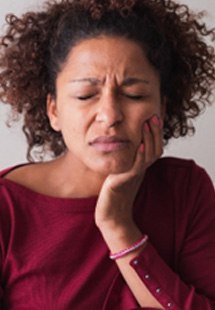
(132, 81)
(92, 81)
(127, 82)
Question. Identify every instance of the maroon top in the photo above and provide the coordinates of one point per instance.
(52, 256)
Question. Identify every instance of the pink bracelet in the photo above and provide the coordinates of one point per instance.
(133, 247)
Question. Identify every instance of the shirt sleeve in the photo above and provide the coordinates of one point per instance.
(192, 286)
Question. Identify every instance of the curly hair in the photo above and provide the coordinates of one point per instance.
(35, 47)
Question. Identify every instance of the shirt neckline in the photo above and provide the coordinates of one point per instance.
(26, 193)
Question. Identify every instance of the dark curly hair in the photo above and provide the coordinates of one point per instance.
(35, 47)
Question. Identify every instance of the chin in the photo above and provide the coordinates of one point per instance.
(112, 167)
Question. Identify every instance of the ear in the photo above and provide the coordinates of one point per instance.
(52, 112)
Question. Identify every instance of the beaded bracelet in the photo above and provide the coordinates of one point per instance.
(132, 248)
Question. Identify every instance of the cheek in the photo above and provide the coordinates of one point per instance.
(148, 111)
(141, 115)
(70, 121)
(73, 130)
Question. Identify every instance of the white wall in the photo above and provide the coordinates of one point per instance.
(201, 147)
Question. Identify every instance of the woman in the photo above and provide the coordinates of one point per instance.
(107, 224)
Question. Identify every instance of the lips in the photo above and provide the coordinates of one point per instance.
(109, 144)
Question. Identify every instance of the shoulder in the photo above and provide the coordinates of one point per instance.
(29, 176)
(182, 177)
(10, 180)
(177, 166)
(174, 163)
(180, 186)
(19, 174)
(10, 170)
(40, 178)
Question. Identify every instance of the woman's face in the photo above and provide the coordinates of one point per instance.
(105, 92)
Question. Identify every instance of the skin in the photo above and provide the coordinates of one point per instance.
(94, 100)
(109, 110)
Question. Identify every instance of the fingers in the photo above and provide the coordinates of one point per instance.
(152, 137)
(156, 127)
(152, 147)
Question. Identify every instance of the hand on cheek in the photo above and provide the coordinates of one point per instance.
(118, 193)
(152, 139)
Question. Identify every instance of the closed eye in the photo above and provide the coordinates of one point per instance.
(87, 97)
(134, 97)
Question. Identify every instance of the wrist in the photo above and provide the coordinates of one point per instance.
(131, 249)
(121, 237)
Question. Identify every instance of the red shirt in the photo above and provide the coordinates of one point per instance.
(52, 255)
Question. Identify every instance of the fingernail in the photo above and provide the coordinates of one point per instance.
(155, 120)
(142, 148)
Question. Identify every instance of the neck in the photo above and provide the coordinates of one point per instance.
(73, 179)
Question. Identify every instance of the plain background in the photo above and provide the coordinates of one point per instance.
(200, 147)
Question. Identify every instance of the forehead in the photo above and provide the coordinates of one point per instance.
(108, 55)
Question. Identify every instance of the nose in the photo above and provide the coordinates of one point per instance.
(109, 111)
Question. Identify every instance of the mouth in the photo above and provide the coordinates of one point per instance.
(109, 144)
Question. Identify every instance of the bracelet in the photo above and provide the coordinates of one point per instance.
(133, 247)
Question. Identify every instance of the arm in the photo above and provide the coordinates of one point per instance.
(193, 287)
(152, 282)
(114, 212)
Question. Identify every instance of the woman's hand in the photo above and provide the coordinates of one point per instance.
(113, 214)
